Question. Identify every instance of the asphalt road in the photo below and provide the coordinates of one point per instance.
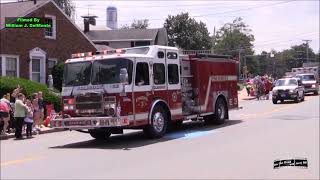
(244, 147)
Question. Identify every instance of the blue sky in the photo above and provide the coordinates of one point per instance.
(275, 24)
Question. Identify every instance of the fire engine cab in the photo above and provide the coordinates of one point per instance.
(149, 88)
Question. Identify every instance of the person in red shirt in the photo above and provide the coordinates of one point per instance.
(4, 116)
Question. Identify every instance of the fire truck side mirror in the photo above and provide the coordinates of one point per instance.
(123, 76)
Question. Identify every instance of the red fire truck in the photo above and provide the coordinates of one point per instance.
(149, 88)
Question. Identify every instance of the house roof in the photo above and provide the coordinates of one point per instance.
(18, 9)
(122, 34)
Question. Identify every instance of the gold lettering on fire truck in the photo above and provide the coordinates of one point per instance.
(141, 101)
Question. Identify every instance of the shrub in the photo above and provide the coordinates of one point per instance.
(57, 75)
(8, 84)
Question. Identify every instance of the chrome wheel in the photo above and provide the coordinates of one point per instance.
(221, 111)
(158, 121)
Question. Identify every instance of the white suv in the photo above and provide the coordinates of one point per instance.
(288, 89)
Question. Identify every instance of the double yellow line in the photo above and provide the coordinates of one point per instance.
(20, 161)
(267, 113)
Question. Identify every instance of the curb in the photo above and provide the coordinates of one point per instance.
(2, 137)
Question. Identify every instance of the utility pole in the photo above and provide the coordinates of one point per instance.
(307, 42)
(239, 63)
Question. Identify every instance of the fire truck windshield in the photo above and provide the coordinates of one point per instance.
(107, 71)
(77, 74)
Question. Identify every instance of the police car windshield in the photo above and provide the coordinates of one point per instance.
(287, 82)
(76, 74)
(307, 77)
(107, 71)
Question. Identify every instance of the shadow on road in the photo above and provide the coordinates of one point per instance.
(131, 140)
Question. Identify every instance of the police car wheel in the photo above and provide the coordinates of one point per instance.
(315, 93)
(296, 100)
(100, 134)
(274, 101)
(159, 123)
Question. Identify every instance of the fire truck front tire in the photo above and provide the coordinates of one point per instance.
(159, 123)
(100, 134)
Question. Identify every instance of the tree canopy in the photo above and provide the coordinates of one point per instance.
(234, 37)
(66, 5)
(186, 33)
(137, 24)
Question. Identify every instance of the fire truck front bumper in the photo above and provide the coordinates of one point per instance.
(89, 122)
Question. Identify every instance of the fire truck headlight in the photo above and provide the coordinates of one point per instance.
(68, 107)
(291, 91)
(313, 86)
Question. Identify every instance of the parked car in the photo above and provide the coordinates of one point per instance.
(309, 83)
(288, 89)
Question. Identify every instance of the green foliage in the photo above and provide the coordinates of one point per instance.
(187, 33)
(137, 24)
(8, 84)
(67, 6)
(57, 75)
(232, 37)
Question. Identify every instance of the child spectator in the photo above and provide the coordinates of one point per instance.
(36, 112)
(29, 118)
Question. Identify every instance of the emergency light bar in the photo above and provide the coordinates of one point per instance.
(104, 52)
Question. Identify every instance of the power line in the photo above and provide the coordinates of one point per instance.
(227, 12)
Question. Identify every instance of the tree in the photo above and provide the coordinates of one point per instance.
(125, 26)
(66, 5)
(140, 24)
(232, 37)
(137, 24)
(187, 33)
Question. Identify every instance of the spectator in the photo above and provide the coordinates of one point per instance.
(36, 111)
(19, 114)
(29, 118)
(14, 94)
(6, 119)
(4, 116)
(41, 107)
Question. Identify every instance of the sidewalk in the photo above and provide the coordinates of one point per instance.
(44, 130)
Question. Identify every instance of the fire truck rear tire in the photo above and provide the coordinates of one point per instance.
(219, 115)
(100, 134)
(159, 123)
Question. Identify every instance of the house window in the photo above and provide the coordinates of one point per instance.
(9, 65)
(35, 69)
(142, 43)
(159, 73)
(50, 32)
(50, 64)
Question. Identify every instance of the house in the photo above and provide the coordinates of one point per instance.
(124, 38)
(31, 53)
